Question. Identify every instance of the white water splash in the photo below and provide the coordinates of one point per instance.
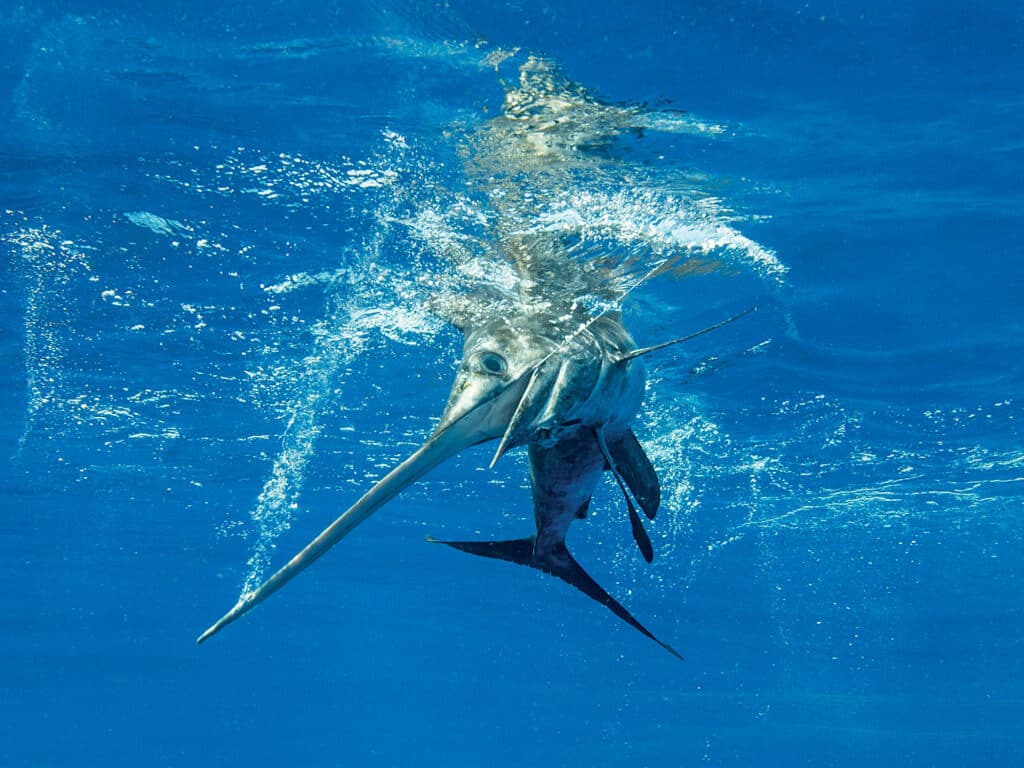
(278, 500)
(156, 224)
(339, 339)
(697, 225)
(364, 299)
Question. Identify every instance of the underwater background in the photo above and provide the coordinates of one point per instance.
(222, 226)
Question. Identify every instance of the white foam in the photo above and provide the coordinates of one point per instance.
(156, 224)
(364, 299)
(663, 222)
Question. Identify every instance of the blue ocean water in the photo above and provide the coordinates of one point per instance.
(221, 229)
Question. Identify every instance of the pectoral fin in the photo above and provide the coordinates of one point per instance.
(637, 471)
(643, 541)
(640, 536)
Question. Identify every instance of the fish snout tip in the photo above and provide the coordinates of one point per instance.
(241, 607)
(213, 630)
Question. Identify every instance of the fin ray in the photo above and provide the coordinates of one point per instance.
(625, 357)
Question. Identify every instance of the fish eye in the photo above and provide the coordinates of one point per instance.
(492, 362)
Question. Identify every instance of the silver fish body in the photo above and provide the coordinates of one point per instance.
(568, 395)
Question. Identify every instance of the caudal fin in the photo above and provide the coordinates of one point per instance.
(518, 551)
(558, 562)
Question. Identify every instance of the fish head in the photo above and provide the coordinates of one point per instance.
(499, 361)
(527, 379)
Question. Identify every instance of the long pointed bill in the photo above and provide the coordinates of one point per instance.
(484, 422)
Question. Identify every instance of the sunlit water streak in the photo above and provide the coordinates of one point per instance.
(50, 264)
(363, 298)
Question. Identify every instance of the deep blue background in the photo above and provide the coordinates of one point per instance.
(841, 557)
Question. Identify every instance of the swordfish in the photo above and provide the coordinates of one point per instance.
(571, 399)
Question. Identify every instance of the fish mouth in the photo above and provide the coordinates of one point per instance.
(486, 420)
